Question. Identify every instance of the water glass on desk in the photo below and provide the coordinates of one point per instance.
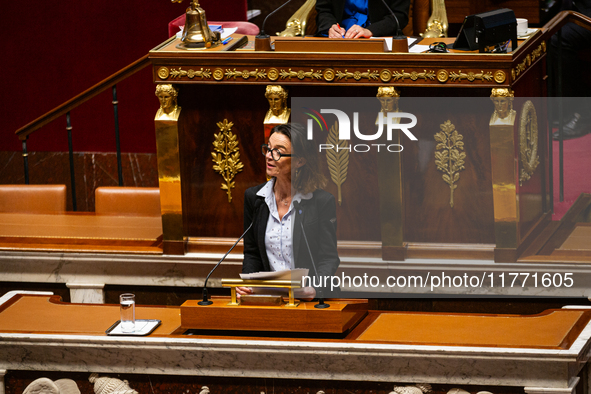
(127, 309)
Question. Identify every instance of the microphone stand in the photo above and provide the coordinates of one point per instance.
(399, 41)
(206, 301)
(262, 41)
(321, 304)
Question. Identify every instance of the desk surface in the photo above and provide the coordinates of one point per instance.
(80, 231)
(25, 347)
(552, 329)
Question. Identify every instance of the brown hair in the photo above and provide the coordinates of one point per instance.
(308, 177)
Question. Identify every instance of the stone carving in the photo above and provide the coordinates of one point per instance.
(420, 388)
(462, 391)
(457, 391)
(47, 386)
(106, 385)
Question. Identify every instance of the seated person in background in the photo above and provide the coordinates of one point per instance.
(575, 38)
(360, 18)
(276, 242)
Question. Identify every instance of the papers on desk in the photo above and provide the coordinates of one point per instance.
(295, 274)
(410, 41)
(418, 49)
(142, 328)
(226, 31)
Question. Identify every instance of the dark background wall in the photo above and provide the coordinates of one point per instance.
(54, 50)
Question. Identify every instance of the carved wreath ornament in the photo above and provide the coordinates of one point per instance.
(528, 142)
(226, 156)
(448, 157)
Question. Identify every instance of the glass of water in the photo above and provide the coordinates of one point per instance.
(127, 308)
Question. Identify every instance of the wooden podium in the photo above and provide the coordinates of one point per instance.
(223, 92)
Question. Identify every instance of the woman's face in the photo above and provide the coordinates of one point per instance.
(280, 169)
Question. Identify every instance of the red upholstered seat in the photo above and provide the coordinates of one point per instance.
(127, 201)
(243, 27)
(32, 198)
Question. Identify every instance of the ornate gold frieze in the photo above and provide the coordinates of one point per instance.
(330, 74)
(246, 74)
(358, 75)
(448, 157)
(413, 75)
(178, 74)
(226, 156)
(528, 142)
(528, 60)
(470, 76)
(337, 159)
(301, 74)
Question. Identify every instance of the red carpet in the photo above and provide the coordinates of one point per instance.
(577, 173)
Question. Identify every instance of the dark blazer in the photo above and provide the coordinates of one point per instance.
(382, 23)
(318, 215)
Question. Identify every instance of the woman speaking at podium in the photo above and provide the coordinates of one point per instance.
(361, 18)
(277, 209)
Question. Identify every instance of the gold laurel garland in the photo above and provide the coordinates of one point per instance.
(203, 74)
(448, 157)
(358, 75)
(246, 74)
(301, 74)
(413, 75)
(471, 76)
(226, 156)
(337, 159)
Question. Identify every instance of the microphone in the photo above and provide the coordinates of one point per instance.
(321, 304)
(399, 41)
(262, 41)
(206, 300)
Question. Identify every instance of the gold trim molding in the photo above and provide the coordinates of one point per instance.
(329, 75)
(448, 157)
(529, 59)
(528, 142)
(226, 156)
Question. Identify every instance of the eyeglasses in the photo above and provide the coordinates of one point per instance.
(275, 154)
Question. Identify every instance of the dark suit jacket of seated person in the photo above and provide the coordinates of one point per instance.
(380, 21)
(318, 215)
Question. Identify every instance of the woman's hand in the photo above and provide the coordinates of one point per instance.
(336, 31)
(357, 31)
(244, 290)
(306, 293)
